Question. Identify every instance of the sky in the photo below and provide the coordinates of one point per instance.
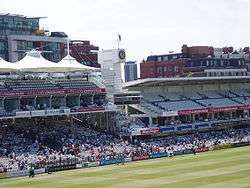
(146, 26)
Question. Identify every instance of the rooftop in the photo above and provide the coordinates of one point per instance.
(185, 81)
(19, 15)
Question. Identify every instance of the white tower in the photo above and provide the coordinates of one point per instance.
(112, 65)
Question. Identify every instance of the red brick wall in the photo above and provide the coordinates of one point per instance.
(151, 69)
(197, 51)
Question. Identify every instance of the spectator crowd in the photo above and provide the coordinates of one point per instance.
(42, 145)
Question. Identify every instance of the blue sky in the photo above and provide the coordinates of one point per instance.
(146, 26)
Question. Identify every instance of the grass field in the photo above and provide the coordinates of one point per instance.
(225, 168)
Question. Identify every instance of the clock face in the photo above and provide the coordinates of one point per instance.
(122, 54)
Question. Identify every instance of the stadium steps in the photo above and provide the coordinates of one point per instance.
(229, 94)
(235, 100)
(234, 93)
(194, 100)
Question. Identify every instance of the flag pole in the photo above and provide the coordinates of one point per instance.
(118, 41)
(118, 44)
(68, 46)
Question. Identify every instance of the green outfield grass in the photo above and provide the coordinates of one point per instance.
(225, 168)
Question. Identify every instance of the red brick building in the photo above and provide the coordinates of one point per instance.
(197, 51)
(84, 52)
(158, 69)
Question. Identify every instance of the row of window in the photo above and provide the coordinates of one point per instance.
(19, 22)
(167, 69)
(164, 57)
(240, 73)
(25, 45)
(216, 63)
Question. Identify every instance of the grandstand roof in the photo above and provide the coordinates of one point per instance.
(185, 81)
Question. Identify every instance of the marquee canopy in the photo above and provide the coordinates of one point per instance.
(35, 62)
(68, 63)
(6, 66)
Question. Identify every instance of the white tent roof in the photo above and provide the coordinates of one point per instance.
(68, 63)
(35, 62)
(6, 66)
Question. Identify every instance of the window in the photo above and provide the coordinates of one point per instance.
(176, 68)
(207, 62)
(159, 69)
(221, 63)
(165, 58)
(165, 69)
(174, 57)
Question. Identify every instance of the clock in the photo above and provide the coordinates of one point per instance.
(122, 54)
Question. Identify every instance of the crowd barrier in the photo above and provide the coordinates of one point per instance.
(183, 152)
(139, 158)
(89, 164)
(25, 172)
(7, 114)
(202, 149)
(110, 161)
(61, 167)
(52, 92)
(158, 155)
(52, 112)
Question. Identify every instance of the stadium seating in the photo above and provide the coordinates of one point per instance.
(152, 97)
(3, 88)
(192, 95)
(243, 100)
(210, 94)
(222, 102)
(179, 105)
(241, 92)
(75, 84)
(171, 96)
(36, 85)
(194, 100)
(26, 85)
(227, 93)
